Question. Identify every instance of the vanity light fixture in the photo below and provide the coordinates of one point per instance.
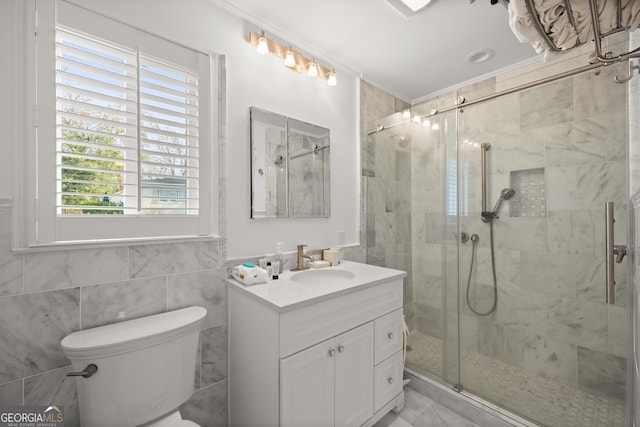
(426, 123)
(332, 80)
(292, 60)
(263, 44)
(435, 126)
(416, 119)
(312, 69)
(289, 58)
(406, 114)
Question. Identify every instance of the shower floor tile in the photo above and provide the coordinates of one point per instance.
(545, 401)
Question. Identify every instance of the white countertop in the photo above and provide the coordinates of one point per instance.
(284, 294)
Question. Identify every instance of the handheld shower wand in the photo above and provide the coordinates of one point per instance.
(505, 194)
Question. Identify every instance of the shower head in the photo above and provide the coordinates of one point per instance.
(505, 194)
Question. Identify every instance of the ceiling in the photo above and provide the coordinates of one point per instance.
(408, 57)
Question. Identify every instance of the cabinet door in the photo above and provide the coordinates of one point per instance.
(354, 376)
(307, 387)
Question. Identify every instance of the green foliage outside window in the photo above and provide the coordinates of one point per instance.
(90, 181)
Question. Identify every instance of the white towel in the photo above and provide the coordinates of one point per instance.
(631, 14)
(555, 19)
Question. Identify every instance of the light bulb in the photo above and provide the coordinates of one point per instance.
(426, 123)
(263, 46)
(289, 59)
(435, 126)
(332, 80)
(313, 69)
(406, 114)
(416, 119)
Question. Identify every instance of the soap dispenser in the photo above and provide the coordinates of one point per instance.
(279, 257)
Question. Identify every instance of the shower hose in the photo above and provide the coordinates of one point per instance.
(474, 241)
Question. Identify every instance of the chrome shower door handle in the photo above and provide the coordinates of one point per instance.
(610, 253)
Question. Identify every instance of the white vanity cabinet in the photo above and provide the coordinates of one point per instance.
(327, 356)
(330, 383)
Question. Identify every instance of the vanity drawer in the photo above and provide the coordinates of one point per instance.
(387, 381)
(388, 335)
(309, 325)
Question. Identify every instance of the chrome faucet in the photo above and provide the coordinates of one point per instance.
(301, 257)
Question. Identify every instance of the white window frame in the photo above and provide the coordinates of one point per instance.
(39, 225)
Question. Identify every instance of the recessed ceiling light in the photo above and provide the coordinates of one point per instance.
(480, 56)
(409, 7)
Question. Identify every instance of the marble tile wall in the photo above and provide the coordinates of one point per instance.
(549, 269)
(551, 318)
(47, 295)
(386, 199)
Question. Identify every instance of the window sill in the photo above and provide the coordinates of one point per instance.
(93, 244)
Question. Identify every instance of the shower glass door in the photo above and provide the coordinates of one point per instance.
(407, 196)
(549, 348)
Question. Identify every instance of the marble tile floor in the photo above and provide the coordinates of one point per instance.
(545, 401)
(420, 411)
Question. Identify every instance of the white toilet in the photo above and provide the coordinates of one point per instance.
(145, 369)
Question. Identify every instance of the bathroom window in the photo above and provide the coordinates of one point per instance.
(125, 142)
(451, 187)
(456, 193)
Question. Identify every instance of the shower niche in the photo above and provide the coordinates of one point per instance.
(530, 199)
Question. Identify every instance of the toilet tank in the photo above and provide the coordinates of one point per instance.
(146, 367)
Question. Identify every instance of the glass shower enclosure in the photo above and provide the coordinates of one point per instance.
(512, 310)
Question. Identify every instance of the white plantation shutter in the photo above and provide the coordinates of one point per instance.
(96, 106)
(127, 124)
(128, 151)
(169, 149)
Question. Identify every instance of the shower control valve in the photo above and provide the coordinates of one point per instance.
(619, 251)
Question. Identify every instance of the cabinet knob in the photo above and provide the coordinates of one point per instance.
(390, 380)
(341, 348)
(332, 353)
(390, 335)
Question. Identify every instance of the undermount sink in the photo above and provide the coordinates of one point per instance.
(323, 276)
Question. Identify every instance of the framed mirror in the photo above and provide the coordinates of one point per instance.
(290, 167)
